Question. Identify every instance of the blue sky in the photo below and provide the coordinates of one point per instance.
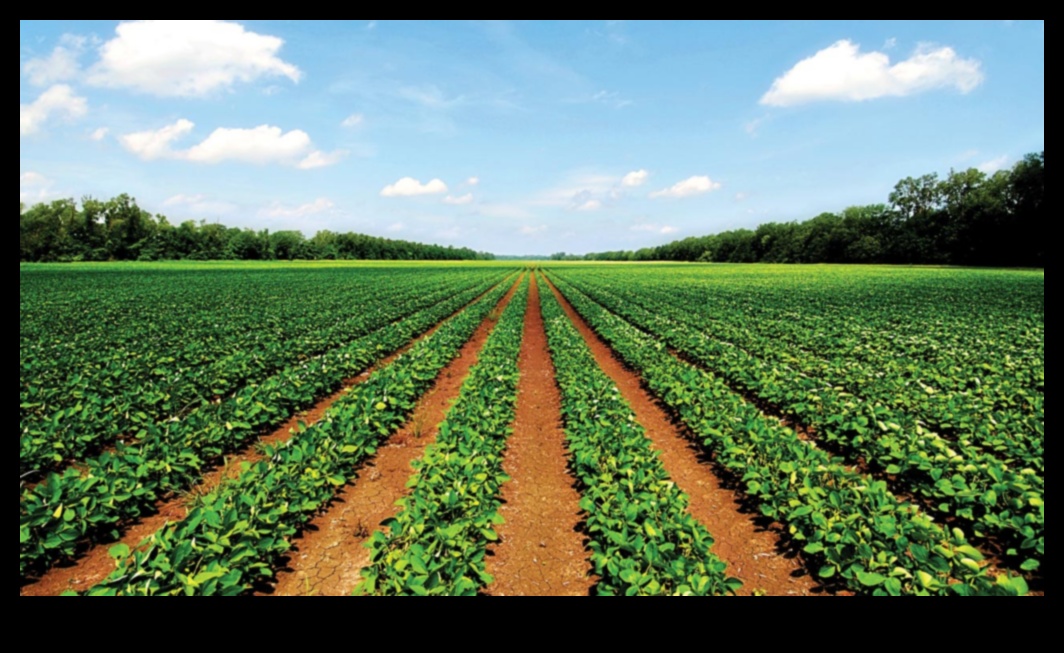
(518, 137)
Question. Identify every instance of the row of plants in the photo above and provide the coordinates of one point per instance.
(999, 500)
(960, 375)
(111, 393)
(643, 540)
(436, 545)
(93, 502)
(232, 539)
(852, 531)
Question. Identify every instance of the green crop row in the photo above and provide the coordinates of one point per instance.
(111, 393)
(643, 540)
(999, 500)
(986, 403)
(94, 502)
(437, 544)
(233, 538)
(855, 533)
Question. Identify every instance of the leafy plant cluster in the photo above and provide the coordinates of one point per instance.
(643, 540)
(969, 370)
(93, 501)
(108, 383)
(233, 538)
(437, 544)
(956, 478)
(853, 531)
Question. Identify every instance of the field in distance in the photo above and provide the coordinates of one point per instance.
(514, 428)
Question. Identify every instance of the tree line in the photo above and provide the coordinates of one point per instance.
(119, 230)
(969, 218)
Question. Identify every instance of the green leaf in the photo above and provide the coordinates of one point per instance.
(119, 552)
(1031, 565)
(827, 572)
(869, 579)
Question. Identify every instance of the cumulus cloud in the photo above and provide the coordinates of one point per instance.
(60, 100)
(60, 66)
(688, 188)
(459, 201)
(354, 120)
(99, 134)
(263, 145)
(410, 187)
(277, 210)
(318, 159)
(843, 73)
(187, 58)
(152, 145)
(635, 179)
(199, 205)
(473, 181)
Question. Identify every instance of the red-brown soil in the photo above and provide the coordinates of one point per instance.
(96, 564)
(753, 552)
(540, 552)
(329, 557)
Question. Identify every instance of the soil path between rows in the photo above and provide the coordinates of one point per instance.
(541, 551)
(329, 557)
(753, 553)
(96, 564)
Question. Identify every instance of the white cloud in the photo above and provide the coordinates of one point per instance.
(635, 179)
(318, 159)
(410, 187)
(396, 228)
(99, 134)
(459, 201)
(261, 145)
(994, 165)
(532, 231)
(187, 58)
(473, 181)
(152, 145)
(33, 188)
(753, 127)
(741, 197)
(430, 97)
(890, 44)
(842, 73)
(60, 66)
(354, 120)
(589, 206)
(655, 228)
(181, 200)
(277, 210)
(688, 188)
(60, 100)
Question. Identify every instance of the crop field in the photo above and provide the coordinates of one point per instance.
(502, 429)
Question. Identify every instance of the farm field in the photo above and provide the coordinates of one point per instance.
(506, 429)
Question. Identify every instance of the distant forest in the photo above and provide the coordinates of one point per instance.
(969, 218)
(119, 230)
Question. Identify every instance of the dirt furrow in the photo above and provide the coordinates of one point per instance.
(329, 557)
(754, 552)
(96, 563)
(541, 552)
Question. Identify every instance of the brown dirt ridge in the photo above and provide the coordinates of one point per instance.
(540, 552)
(329, 557)
(754, 553)
(96, 564)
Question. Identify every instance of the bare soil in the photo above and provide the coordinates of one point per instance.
(96, 564)
(754, 551)
(541, 551)
(329, 557)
